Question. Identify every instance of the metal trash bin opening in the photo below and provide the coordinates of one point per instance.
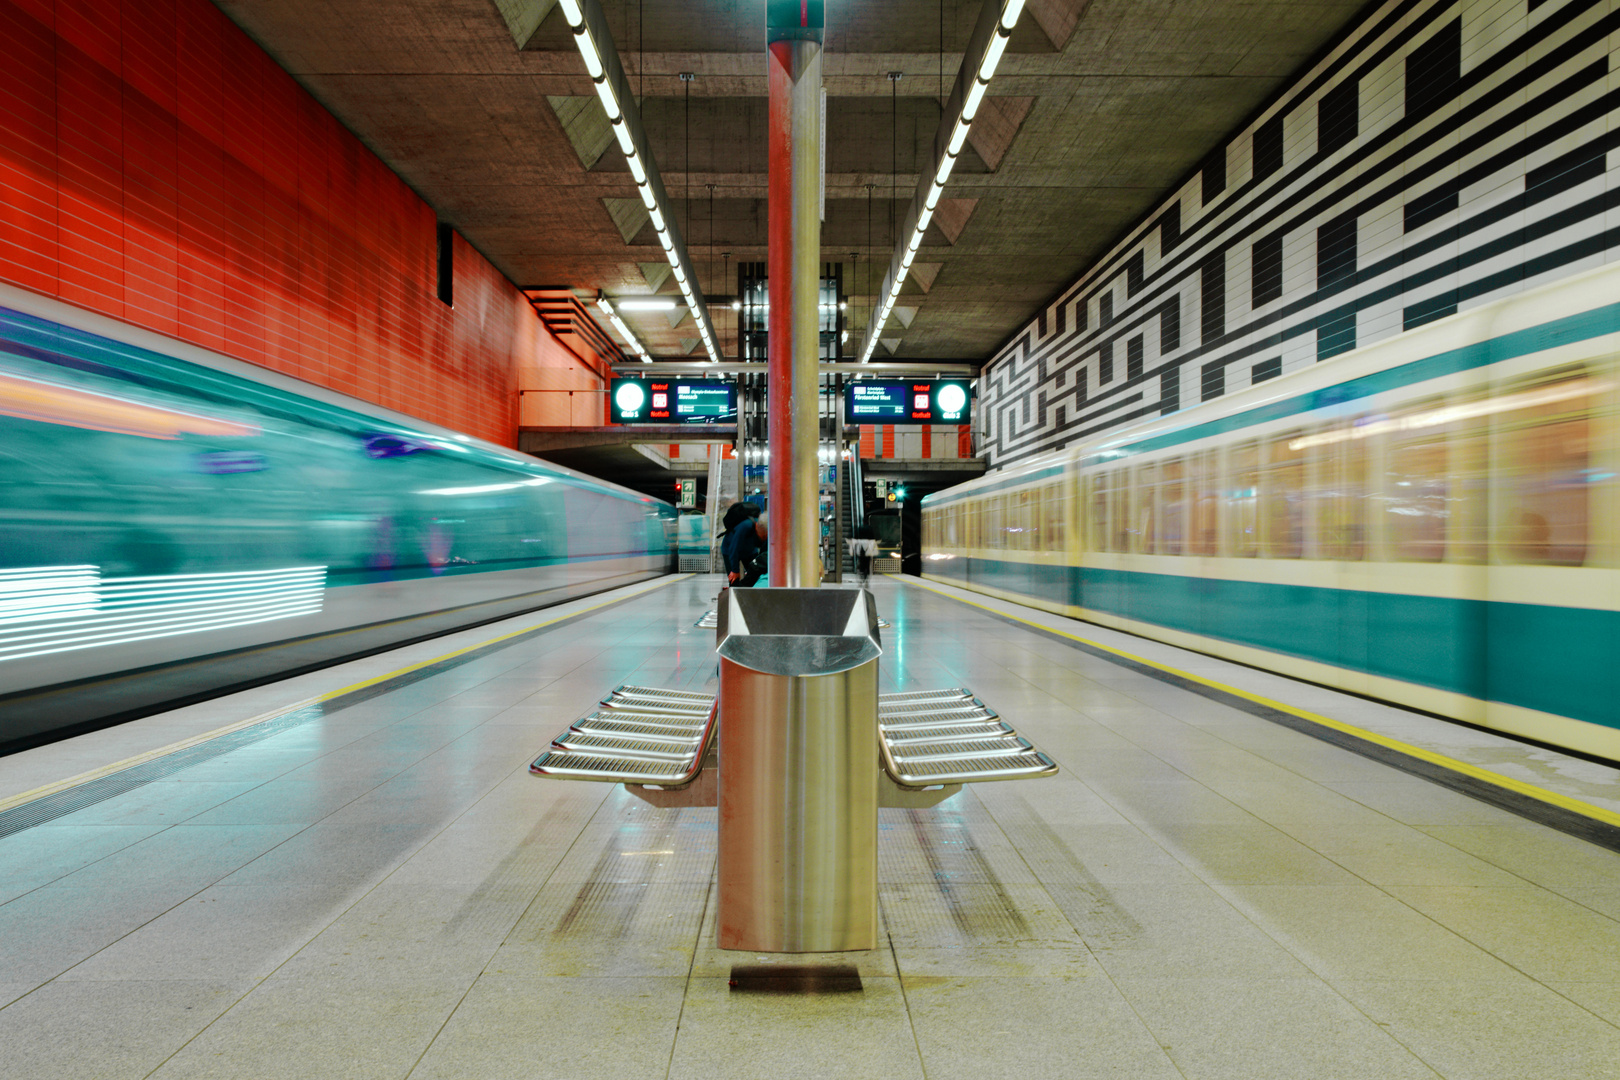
(797, 613)
(799, 655)
(798, 790)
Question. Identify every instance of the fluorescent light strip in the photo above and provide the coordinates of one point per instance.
(641, 171)
(624, 331)
(979, 83)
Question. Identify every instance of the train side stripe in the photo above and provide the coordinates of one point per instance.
(1504, 791)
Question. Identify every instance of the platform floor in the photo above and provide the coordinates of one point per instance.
(379, 889)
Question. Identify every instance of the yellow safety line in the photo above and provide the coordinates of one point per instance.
(1507, 783)
(150, 755)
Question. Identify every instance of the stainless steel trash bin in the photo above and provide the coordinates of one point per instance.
(798, 770)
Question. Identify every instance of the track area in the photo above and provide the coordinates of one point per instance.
(378, 888)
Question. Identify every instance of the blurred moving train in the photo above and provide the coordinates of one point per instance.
(1432, 520)
(175, 524)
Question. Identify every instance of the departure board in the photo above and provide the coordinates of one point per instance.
(911, 401)
(673, 401)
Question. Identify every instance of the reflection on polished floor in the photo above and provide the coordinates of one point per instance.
(383, 891)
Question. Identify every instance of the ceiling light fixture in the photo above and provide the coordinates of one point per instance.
(979, 63)
(624, 331)
(646, 303)
(595, 44)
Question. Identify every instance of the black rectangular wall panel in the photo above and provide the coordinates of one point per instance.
(1212, 299)
(1338, 115)
(1426, 208)
(1335, 253)
(1266, 277)
(1565, 171)
(1170, 228)
(1433, 71)
(1268, 148)
(1214, 175)
(1424, 189)
(1170, 325)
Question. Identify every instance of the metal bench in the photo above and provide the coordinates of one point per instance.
(930, 741)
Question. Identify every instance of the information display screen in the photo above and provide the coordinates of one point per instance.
(673, 401)
(911, 401)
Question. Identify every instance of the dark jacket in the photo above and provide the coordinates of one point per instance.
(741, 547)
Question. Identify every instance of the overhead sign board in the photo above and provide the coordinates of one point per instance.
(910, 401)
(673, 401)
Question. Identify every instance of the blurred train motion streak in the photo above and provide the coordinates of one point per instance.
(174, 524)
(1433, 520)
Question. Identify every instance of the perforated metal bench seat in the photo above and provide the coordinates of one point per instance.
(927, 738)
(933, 737)
(638, 735)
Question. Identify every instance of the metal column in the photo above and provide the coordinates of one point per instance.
(794, 269)
(838, 479)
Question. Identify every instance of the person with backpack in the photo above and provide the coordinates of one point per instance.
(744, 552)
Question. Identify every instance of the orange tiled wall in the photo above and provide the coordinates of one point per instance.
(157, 166)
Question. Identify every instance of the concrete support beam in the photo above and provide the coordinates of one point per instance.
(536, 440)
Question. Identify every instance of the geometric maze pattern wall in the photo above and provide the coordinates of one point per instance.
(1442, 154)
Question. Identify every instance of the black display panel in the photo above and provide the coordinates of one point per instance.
(673, 401)
(909, 401)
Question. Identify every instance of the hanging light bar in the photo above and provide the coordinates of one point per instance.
(985, 48)
(624, 331)
(586, 19)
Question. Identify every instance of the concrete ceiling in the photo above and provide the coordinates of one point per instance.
(484, 107)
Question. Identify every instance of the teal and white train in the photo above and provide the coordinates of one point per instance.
(1432, 520)
(175, 524)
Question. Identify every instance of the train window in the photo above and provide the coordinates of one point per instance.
(1057, 525)
(1172, 506)
(1546, 444)
(1242, 500)
(1282, 497)
(995, 526)
(1146, 533)
(1337, 496)
(1029, 519)
(1467, 538)
(1417, 484)
(1101, 522)
(1119, 509)
(1202, 484)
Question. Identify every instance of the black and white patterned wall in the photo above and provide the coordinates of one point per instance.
(1441, 156)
